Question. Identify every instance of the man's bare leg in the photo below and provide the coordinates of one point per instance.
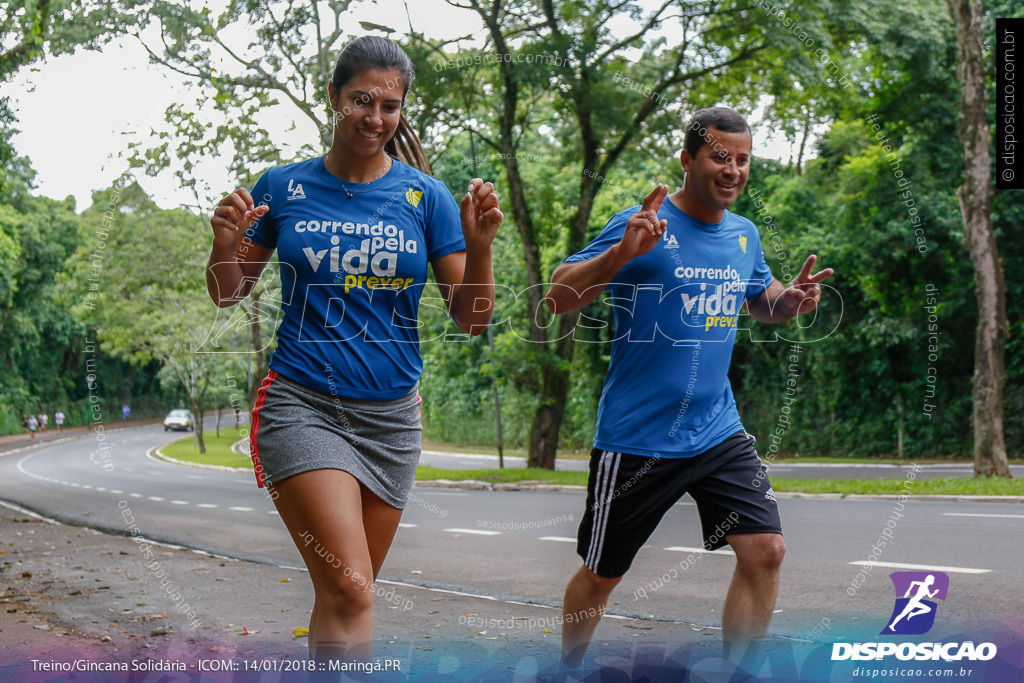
(586, 593)
(751, 597)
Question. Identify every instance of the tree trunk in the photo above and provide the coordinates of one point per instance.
(197, 415)
(555, 370)
(975, 197)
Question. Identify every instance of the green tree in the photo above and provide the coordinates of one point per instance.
(550, 71)
(975, 197)
(138, 280)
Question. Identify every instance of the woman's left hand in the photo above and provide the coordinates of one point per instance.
(480, 215)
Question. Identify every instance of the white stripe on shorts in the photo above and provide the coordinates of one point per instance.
(607, 470)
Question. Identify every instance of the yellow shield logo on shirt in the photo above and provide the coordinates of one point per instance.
(413, 196)
(743, 243)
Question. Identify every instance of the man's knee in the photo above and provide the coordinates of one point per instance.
(761, 552)
(596, 583)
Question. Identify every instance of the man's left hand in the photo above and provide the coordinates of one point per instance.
(804, 292)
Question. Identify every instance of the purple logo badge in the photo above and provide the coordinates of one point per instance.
(914, 612)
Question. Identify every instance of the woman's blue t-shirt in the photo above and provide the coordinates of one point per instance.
(352, 273)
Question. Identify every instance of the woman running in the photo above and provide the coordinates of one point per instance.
(335, 433)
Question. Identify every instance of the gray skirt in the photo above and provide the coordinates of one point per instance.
(296, 429)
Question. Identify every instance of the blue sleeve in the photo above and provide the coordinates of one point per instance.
(443, 224)
(264, 231)
(608, 238)
(762, 275)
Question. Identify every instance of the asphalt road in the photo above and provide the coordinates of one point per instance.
(518, 546)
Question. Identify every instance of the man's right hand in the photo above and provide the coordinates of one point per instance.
(236, 211)
(644, 229)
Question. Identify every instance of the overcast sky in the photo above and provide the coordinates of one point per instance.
(78, 113)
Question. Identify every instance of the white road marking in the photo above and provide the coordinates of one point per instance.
(156, 499)
(563, 539)
(206, 505)
(403, 525)
(273, 512)
(135, 495)
(925, 567)
(179, 502)
(241, 509)
(980, 514)
(687, 549)
(193, 476)
(118, 491)
(478, 532)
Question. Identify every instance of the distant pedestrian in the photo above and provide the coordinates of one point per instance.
(58, 419)
(126, 413)
(24, 423)
(33, 425)
(44, 420)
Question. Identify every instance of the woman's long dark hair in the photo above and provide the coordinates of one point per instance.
(374, 52)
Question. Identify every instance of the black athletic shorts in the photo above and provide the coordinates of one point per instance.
(627, 495)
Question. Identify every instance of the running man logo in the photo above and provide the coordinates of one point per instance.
(743, 243)
(913, 614)
(413, 196)
(295, 191)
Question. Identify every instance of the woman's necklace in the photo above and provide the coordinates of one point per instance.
(387, 166)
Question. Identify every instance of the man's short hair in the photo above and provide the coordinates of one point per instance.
(722, 118)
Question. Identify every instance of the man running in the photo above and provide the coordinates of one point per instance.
(677, 274)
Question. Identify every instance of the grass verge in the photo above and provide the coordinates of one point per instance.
(943, 486)
(218, 450)
(507, 475)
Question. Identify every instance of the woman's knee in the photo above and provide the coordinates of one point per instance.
(346, 588)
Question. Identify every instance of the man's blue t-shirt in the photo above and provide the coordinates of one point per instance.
(352, 272)
(667, 391)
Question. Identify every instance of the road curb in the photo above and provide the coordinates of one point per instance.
(477, 485)
(942, 498)
(57, 442)
(155, 454)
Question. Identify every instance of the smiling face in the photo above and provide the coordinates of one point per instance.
(716, 175)
(367, 110)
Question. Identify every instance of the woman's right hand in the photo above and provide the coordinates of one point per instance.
(236, 211)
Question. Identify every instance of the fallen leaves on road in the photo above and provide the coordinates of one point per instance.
(639, 628)
(300, 632)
